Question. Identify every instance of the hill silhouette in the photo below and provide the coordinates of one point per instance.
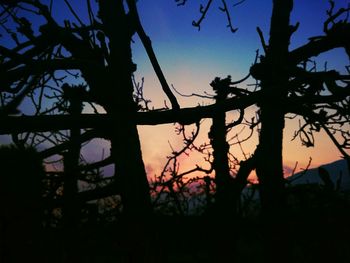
(337, 170)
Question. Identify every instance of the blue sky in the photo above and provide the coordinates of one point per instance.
(214, 50)
(191, 59)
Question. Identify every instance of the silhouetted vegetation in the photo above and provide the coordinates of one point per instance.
(21, 204)
(66, 83)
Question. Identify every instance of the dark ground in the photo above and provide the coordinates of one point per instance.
(314, 237)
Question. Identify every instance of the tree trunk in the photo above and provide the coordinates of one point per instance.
(269, 166)
(274, 83)
(225, 207)
(118, 101)
(71, 208)
(71, 162)
(129, 168)
(224, 203)
(269, 163)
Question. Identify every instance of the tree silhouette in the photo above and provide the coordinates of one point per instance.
(283, 78)
(21, 213)
(41, 57)
(103, 55)
(289, 83)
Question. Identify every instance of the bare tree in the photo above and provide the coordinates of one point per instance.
(96, 51)
(285, 84)
(22, 174)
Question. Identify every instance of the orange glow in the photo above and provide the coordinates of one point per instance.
(158, 142)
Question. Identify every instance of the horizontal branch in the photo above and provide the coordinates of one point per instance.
(57, 149)
(88, 195)
(98, 193)
(37, 67)
(97, 165)
(19, 124)
(337, 37)
(296, 102)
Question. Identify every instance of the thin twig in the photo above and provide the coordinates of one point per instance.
(227, 12)
(203, 14)
(74, 13)
(262, 39)
(241, 80)
(191, 95)
(180, 2)
(238, 3)
(290, 179)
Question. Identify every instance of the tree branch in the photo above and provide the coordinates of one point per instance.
(203, 12)
(38, 67)
(228, 16)
(151, 55)
(19, 124)
(180, 2)
(57, 149)
(262, 39)
(338, 36)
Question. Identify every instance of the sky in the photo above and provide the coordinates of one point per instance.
(191, 59)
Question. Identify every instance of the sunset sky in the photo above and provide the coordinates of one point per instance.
(191, 59)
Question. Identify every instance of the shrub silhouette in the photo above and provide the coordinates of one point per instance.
(21, 171)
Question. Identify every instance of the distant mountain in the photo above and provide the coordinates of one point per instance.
(335, 169)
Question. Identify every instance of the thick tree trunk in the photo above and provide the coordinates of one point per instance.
(269, 160)
(223, 179)
(71, 163)
(226, 199)
(126, 150)
(274, 83)
(71, 209)
(129, 167)
(117, 98)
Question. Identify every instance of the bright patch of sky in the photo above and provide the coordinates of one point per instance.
(191, 59)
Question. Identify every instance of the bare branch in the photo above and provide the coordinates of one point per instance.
(203, 12)
(336, 37)
(262, 39)
(236, 122)
(192, 95)
(227, 12)
(73, 12)
(180, 2)
(292, 179)
(332, 17)
(241, 80)
(150, 52)
(18, 124)
(238, 3)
